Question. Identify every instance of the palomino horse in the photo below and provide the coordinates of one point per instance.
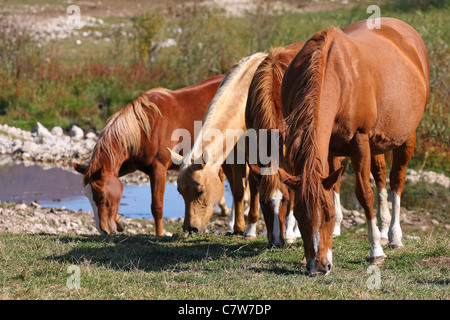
(223, 125)
(137, 138)
(263, 111)
(355, 92)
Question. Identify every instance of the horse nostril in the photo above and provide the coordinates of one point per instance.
(193, 230)
(103, 232)
(328, 267)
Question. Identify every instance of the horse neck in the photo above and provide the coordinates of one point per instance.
(226, 113)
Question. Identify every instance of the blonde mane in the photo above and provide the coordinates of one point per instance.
(123, 130)
(228, 103)
(303, 99)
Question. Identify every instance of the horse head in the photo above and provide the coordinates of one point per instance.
(202, 190)
(316, 227)
(104, 191)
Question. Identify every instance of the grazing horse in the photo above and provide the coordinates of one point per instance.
(354, 92)
(137, 138)
(223, 126)
(263, 111)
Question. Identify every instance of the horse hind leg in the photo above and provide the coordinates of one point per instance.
(378, 168)
(361, 159)
(401, 157)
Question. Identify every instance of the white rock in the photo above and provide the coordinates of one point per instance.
(29, 147)
(76, 132)
(57, 131)
(91, 135)
(41, 132)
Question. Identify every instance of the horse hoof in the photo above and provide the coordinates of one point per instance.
(384, 241)
(302, 263)
(121, 223)
(290, 240)
(336, 235)
(249, 237)
(396, 246)
(377, 260)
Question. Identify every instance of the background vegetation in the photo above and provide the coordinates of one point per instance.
(58, 82)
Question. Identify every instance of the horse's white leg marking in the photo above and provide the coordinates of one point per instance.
(374, 239)
(338, 214)
(297, 229)
(383, 215)
(275, 198)
(292, 231)
(88, 193)
(230, 225)
(395, 231)
(250, 230)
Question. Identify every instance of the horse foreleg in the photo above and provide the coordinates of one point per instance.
(378, 168)
(360, 156)
(292, 230)
(335, 163)
(401, 157)
(222, 202)
(158, 185)
(238, 190)
(253, 215)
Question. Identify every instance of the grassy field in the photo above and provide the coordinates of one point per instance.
(214, 267)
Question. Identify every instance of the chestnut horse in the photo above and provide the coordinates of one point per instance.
(137, 138)
(198, 182)
(355, 92)
(263, 111)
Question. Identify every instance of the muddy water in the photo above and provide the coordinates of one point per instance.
(60, 188)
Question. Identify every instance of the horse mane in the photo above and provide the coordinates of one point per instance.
(261, 111)
(302, 99)
(230, 81)
(123, 130)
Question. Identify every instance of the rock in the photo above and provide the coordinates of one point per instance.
(41, 132)
(29, 147)
(91, 135)
(57, 131)
(20, 207)
(76, 132)
(358, 220)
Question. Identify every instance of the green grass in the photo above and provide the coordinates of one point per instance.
(213, 267)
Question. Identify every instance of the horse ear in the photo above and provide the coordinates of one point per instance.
(331, 180)
(255, 169)
(176, 158)
(79, 168)
(289, 180)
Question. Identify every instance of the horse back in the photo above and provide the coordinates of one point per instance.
(382, 76)
(179, 109)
